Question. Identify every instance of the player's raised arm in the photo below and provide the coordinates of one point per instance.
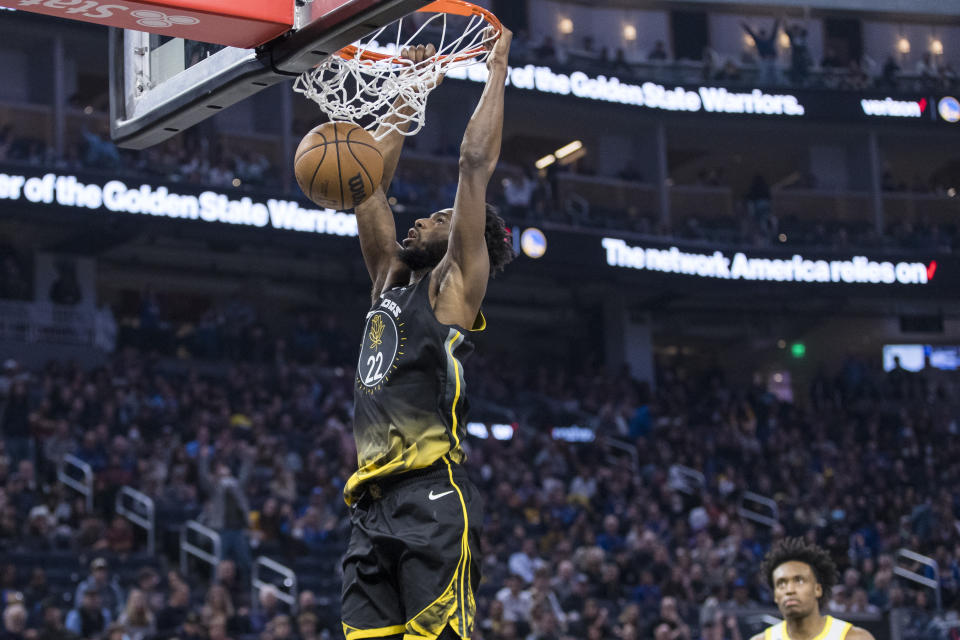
(375, 223)
(479, 154)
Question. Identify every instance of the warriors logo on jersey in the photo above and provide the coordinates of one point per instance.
(380, 351)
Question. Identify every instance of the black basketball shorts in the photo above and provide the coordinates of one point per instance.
(410, 569)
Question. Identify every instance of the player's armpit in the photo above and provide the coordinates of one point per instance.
(859, 633)
(378, 236)
(467, 247)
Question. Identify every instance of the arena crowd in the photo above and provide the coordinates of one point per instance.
(580, 541)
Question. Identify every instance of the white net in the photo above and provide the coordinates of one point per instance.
(363, 90)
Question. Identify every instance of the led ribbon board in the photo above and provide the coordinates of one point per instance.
(739, 265)
(116, 196)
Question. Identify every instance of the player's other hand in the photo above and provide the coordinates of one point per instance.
(499, 49)
(419, 53)
(418, 56)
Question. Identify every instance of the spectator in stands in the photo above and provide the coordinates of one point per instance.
(172, 616)
(891, 74)
(65, 289)
(116, 631)
(830, 59)
(15, 424)
(730, 72)
(217, 628)
(14, 283)
(14, 622)
(518, 192)
(148, 581)
(619, 63)
(658, 53)
(229, 579)
(227, 510)
(541, 596)
(99, 152)
(927, 70)
(218, 603)
(670, 616)
(947, 76)
(37, 589)
(137, 618)
(53, 627)
(758, 198)
(515, 602)
(712, 63)
(800, 59)
(90, 618)
(721, 627)
(39, 529)
(307, 626)
(281, 628)
(106, 586)
(270, 608)
(525, 561)
(766, 45)
(547, 50)
(192, 628)
(118, 537)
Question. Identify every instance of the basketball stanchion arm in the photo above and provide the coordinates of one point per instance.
(231, 75)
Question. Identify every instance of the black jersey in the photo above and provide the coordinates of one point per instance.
(409, 397)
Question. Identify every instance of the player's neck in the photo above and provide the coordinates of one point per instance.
(419, 274)
(807, 627)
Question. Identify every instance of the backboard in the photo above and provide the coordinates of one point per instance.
(169, 76)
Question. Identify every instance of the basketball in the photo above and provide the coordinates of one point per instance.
(338, 165)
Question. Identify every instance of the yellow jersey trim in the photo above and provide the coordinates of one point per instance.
(823, 633)
(480, 322)
(459, 582)
(359, 634)
(827, 625)
(456, 394)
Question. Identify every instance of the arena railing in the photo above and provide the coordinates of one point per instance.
(188, 548)
(630, 452)
(770, 519)
(908, 574)
(288, 582)
(685, 479)
(140, 512)
(45, 322)
(82, 485)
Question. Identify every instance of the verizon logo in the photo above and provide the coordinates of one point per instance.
(891, 108)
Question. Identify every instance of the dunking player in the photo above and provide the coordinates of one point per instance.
(410, 570)
(801, 576)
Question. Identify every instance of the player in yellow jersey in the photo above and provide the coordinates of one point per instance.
(801, 576)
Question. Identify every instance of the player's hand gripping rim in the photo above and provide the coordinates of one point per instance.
(417, 57)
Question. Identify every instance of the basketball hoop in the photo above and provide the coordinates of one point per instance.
(361, 82)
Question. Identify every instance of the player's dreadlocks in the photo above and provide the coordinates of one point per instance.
(499, 241)
(797, 549)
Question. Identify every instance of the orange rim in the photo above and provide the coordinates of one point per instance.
(453, 7)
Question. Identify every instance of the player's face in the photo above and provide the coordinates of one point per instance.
(426, 242)
(796, 590)
(429, 231)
